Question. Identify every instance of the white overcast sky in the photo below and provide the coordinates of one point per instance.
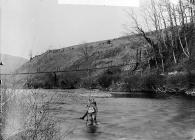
(39, 25)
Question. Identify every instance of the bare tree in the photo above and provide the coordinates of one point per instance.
(171, 30)
(30, 55)
(85, 52)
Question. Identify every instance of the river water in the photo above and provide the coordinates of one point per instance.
(126, 118)
(131, 119)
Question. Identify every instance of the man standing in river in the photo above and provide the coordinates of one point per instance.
(92, 104)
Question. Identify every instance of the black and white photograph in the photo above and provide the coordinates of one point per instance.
(97, 69)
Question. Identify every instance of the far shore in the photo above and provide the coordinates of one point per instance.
(116, 93)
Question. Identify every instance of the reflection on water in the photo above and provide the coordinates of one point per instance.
(126, 118)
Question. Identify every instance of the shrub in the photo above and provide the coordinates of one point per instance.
(89, 82)
(177, 81)
(108, 41)
(132, 82)
(47, 85)
(47, 81)
(109, 76)
(113, 70)
(191, 79)
(152, 81)
(105, 80)
(69, 80)
(40, 124)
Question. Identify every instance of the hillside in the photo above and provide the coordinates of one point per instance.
(80, 66)
(11, 63)
(96, 54)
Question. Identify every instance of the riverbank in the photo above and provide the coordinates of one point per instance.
(107, 93)
(138, 93)
(102, 93)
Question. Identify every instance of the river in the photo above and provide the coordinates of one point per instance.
(126, 118)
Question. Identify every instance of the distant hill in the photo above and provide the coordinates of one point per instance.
(11, 63)
(115, 51)
(89, 55)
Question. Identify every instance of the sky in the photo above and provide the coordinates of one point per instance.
(39, 25)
